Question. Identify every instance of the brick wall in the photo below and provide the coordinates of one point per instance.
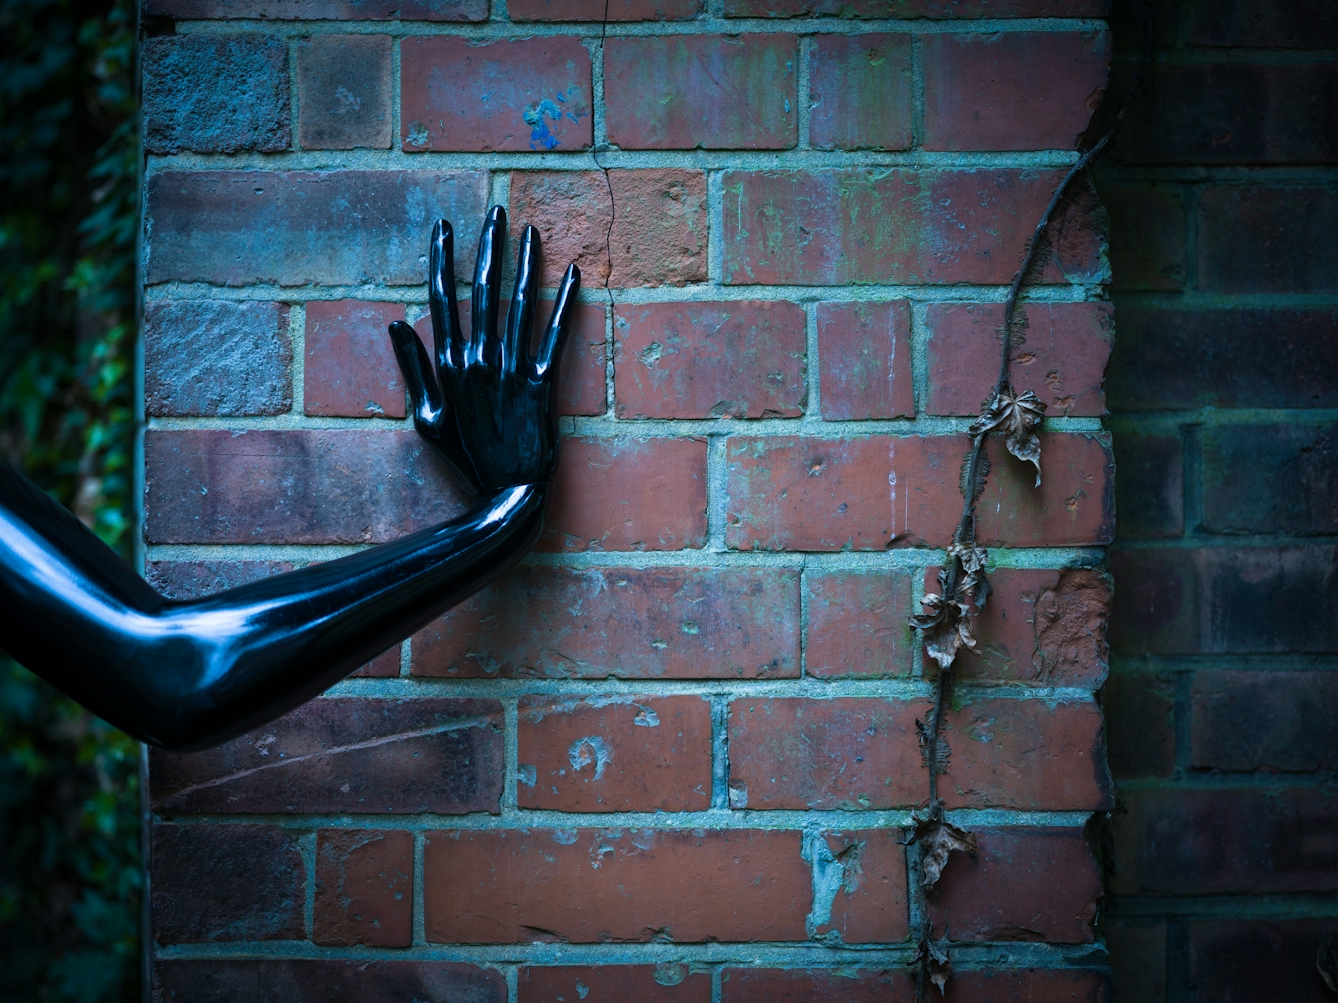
(673, 755)
(1224, 393)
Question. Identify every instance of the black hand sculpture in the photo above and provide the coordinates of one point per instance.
(187, 675)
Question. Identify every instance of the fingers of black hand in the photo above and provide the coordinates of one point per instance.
(484, 344)
(520, 318)
(448, 342)
(416, 367)
(559, 323)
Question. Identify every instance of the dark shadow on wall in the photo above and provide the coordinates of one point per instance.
(1222, 704)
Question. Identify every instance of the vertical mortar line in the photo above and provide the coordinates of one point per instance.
(920, 356)
(419, 889)
(1182, 724)
(406, 658)
(803, 618)
(511, 754)
(1178, 980)
(720, 750)
(813, 363)
(715, 227)
(715, 492)
(915, 902)
(293, 108)
(297, 337)
(610, 387)
(1190, 198)
(803, 100)
(307, 847)
(917, 94)
(1192, 453)
(716, 988)
(396, 113)
(512, 975)
(499, 192)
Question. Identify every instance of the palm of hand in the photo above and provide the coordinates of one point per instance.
(489, 408)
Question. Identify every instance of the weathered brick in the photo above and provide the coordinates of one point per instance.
(1012, 90)
(624, 228)
(1028, 985)
(1300, 24)
(1266, 720)
(628, 494)
(215, 94)
(1026, 755)
(1150, 490)
(874, 492)
(1185, 359)
(669, 982)
(1062, 356)
(322, 10)
(364, 888)
(1259, 959)
(1237, 112)
(847, 753)
(319, 981)
(733, 359)
(1219, 842)
(632, 623)
(361, 755)
(858, 623)
(1137, 959)
(332, 486)
(385, 665)
(865, 360)
(1140, 724)
(226, 882)
(898, 225)
(917, 8)
(1147, 238)
(349, 366)
(1279, 478)
(849, 985)
(1217, 600)
(603, 10)
(295, 228)
(1039, 626)
(211, 357)
(615, 754)
(507, 95)
(714, 92)
(868, 893)
(195, 579)
(343, 92)
(599, 885)
(1034, 884)
(860, 92)
(1268, 240)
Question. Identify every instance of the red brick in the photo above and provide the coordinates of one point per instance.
(874, 492)
(322, 10)
(1062, 357)
(325, 979)
(603, 10)
(1264, 720)
(627, 228)
(815, 985)
(898, 225)
(1262, 478)
(1041, 627)
(1036, 884)
(350, 369)
(615, 754)
(1026, 755)
(713, 92)
(917, 8)
(508, 95)
(364, 888)
(865, 353)
(216, 883)
(601, 885)
(669, 982)
(1247, 24)
(1274, 840)
(858, 623)
(297, 228)
(1150, 491)
(1259, 959)
(736, 359)
(343, 92)
(860, 92)
(330, 486)
(1140, 724)
(848, 753)
(581, 383)
(1147, 238)
(196, 579)
(1030, 985)
(633, 623)
(384, 665)
(1012, 90)
(1262, 239)
(358, 755)
(869, 906)
(628, 494)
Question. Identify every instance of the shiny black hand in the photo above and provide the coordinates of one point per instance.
(490, 406)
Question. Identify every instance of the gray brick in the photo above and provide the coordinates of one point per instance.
(343, 92)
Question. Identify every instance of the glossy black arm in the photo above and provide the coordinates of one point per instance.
(187, 675)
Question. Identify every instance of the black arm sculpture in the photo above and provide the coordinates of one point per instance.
(187, 675)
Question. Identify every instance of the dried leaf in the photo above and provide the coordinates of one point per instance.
(937, 839)
(975, 586)
(982, 471)
(945, 627)
(1327, 963)
(934, 957)
(1018, 416)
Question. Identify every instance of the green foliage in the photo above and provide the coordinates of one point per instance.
(69, 784)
